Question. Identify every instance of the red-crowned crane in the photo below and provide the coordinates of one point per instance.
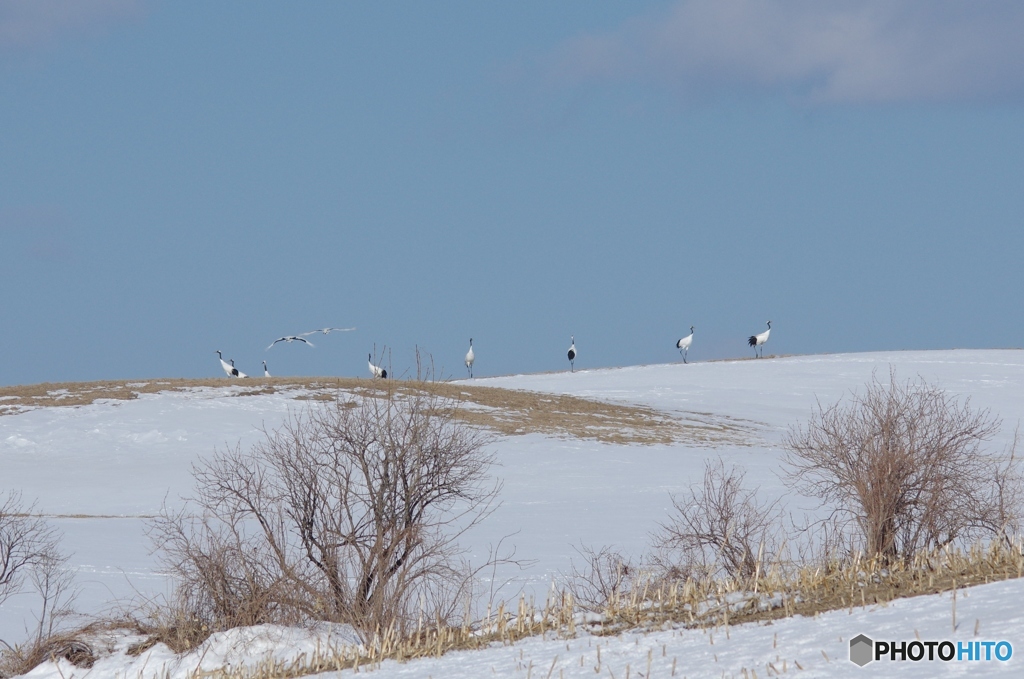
(290, 338)
(683, 345)
(229, 368)
(376, 370)
(759, 340)
(325, 331)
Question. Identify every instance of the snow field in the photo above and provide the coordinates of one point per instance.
(124, 458)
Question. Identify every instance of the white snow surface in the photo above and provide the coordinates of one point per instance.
(246, 646)
(113, 463)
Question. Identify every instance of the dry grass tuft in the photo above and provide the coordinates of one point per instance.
(71, 647)
(180, 633)
(785, 590)
(429, 640)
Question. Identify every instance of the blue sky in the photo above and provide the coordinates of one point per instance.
(180, 177)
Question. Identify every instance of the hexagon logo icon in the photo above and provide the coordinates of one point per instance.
(862, 650)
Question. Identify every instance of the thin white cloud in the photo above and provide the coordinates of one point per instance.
(34, 23)
(863, 52)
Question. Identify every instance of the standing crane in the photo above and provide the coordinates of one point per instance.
(683, 345)
(470, 357)
(759, 340)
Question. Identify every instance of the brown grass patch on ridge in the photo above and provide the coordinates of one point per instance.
(515, 412)
(506, 411)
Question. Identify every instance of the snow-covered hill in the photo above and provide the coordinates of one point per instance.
(104, 467)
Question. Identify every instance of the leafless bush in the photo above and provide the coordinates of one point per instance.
(348, 513)
(903, 466)
(55, 585)
(25, 541)
(605, 577)
(823, 544)
(29, 550)
(720, 528)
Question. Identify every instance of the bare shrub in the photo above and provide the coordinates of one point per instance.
(604, 578)
(719, 528)
(55, 584)
(903, 467)
(25, 542)
(225, 576)
(29, 551)
(348, 513)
